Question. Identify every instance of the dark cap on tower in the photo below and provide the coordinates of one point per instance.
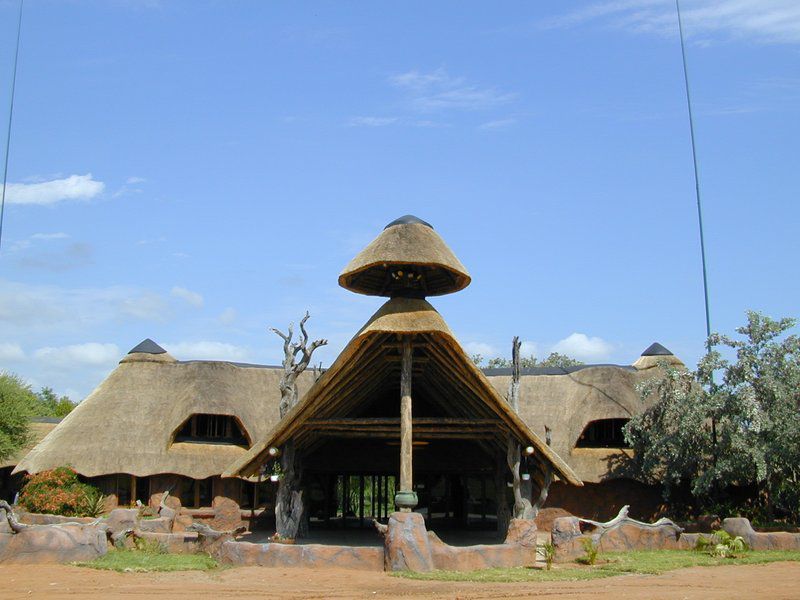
(408, 258)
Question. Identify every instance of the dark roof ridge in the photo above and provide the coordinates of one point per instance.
(408, 220)
(147, 346)
(492, 372)
(656, 349)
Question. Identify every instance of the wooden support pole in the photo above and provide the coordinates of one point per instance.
(361, 500)
(406, 498)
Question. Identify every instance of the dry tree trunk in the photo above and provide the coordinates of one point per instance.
(522, 505)
(501, 491)
(548, 479)
(289, 499)
(11, 518)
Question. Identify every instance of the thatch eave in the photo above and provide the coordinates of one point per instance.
(398, 316)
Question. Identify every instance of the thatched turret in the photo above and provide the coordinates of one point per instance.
(655, 355)
(407, 259)
(148, 351)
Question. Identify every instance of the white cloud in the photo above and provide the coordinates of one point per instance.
(77, 254)
(189, 296)
(89, 354)
(583, 347)
(767, 21)
(497, 124)
(528, 348)
(438, 90)
(145, 305)
(206, 350)
(135, 180)
(36, 237)
(228, 316)
(26, 308)
(74, 187)
(60, 235)
(11, 352)
(371, 121)
(148, 241)
(485, 350)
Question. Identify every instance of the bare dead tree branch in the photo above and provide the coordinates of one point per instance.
(289, 507)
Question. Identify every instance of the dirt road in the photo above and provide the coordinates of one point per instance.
(774, 581)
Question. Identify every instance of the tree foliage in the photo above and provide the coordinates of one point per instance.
(17, 402)
(51, 405)
(18, 405)
(728, 423)
(527, 362)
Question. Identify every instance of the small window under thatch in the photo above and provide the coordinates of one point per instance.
(213, 429)
(603, 433)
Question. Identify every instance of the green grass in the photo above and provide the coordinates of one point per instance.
(619, 563)
(142, 562)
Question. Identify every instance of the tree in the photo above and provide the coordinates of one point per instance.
(728, 423)
(289, 498)
(50, 405)
(554, 359)
(17, 404)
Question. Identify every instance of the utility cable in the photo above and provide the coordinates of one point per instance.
(696, 176)
(10, 117)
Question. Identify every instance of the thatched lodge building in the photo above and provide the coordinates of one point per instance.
(402, 392)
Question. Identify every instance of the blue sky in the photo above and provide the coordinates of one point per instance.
(196, 172)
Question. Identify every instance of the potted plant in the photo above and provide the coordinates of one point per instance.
(276, 472)
(277, 538)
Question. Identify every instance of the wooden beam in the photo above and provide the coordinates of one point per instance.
(417, 421)
(406, 423)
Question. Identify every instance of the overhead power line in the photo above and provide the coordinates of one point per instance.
(10, 119)
(696, 175)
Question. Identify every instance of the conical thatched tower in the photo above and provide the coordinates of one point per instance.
(407, 259)
(656, 355)
(362, 405)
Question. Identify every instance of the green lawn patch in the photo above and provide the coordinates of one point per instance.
(142, 562)
(609, 565)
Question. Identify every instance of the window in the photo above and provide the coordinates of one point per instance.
(603, 433)
(203, 492)
(212, 429)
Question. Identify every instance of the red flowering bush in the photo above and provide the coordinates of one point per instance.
(59, 492)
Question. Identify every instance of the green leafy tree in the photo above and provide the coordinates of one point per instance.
(17, 406)
(729, 422)
(531, 362)
(50, 405)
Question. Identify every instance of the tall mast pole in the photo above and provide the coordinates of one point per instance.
(10, 117)
(696, 175)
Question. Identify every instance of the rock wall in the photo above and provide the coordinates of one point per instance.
(628, 535)
(777, 540)
(482, 556)
(64, 543)
(305, 555)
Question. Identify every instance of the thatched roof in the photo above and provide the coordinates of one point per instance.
(567, 400)
(368, 368)
(127, 424)
(39, 428)
(656, 355)
(405, 242)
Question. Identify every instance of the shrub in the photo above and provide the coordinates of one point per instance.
(721, 544)
(591, 550)
(549, 551)
(59, 492)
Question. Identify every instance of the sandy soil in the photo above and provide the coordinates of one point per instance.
(774, 581)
